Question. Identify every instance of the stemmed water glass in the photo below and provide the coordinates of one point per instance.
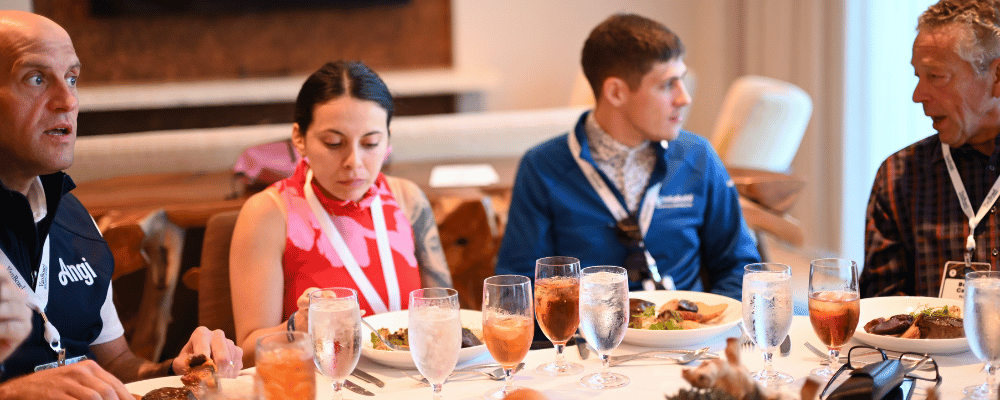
(767, 313)
(435, 334)
(834, 306)
(603, 319)
(336, 333)
(557, 308)
(507, 325)
(982, 311)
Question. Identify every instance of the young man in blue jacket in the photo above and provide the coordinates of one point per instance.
(626, 186)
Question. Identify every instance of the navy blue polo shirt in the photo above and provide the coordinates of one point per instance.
(81, 265)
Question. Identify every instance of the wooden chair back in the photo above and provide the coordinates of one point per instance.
(470, 237)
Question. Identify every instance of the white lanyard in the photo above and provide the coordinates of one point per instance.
(384, 251)
(963, 199)
(612, 203)
(38, 298)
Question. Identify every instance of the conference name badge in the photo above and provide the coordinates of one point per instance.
(953, 278)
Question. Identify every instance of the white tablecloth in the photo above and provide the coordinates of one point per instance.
(649, 379)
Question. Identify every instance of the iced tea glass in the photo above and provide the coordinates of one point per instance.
(508, 326)
(557, 308)
(285, 367)
(834, 306)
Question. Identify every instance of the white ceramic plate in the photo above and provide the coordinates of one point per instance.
(683, 338)
(886, 307)
(401, 359)
(242, 384)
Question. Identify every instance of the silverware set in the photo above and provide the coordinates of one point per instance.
(684, 357)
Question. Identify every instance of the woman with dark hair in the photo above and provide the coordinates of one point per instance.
(337, 221)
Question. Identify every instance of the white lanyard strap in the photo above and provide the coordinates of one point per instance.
(612, 203)
(609, 199)
(38, 298)
(963, 199)
(350, 263)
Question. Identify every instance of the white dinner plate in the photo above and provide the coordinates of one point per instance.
(242, 384)
(886, 307)
(683, 338)
(401, 359)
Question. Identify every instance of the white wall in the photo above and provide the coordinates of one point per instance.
(23, 5)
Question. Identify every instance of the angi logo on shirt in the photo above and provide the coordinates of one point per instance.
(676, 201)
(76, 272)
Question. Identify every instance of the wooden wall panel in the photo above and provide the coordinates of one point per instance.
(195, 47)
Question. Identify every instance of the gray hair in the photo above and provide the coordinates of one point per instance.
(979, 20)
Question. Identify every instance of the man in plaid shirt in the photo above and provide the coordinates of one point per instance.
(917, 221)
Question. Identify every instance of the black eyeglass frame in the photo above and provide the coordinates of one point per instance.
(920, 357)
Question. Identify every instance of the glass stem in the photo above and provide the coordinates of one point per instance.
(560, 358)
(437, 390)
(991, 377)
(337, 393)
(834, 357)
(768, 370)
(508, 378)
(605, 364)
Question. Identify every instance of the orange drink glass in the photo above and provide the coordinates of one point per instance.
(285, 367)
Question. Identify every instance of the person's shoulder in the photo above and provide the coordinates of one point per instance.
(922, 152)
(547, 148)
(691, 142)
(71, 216)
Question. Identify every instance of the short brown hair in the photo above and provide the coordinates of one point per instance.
(979, 19)
(626, 46)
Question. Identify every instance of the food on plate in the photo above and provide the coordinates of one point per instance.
(928, 323)
(400, 338)
(169, 394)
(676, 314)
(202, 372)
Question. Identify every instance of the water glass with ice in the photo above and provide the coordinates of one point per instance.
(336, 333)
(767, 313)
(435, 334)
(603, 319)
(982, 311)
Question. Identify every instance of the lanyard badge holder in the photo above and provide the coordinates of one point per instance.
(38, 300)
(953, 275)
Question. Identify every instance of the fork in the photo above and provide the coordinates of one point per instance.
(686, 357)
(745, 341)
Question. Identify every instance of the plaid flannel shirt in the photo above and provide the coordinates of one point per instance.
(915, 223)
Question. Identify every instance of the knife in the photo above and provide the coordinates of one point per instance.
(368, 377)
(786, 346)
(357, 389)
(581, 346)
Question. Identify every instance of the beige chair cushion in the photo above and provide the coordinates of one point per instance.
(215, 306)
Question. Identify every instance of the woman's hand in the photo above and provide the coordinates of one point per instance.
(301, 316)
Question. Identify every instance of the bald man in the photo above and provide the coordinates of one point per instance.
(47, 235)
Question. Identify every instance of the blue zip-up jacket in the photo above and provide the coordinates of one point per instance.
(697, 227)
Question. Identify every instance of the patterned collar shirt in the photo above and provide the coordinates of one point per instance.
(915, 223)
(628, 168)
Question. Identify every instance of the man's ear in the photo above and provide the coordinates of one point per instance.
(995, 70)
(616, 91)
(299, 139)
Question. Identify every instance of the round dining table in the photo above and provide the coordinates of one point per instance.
(650, 378)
